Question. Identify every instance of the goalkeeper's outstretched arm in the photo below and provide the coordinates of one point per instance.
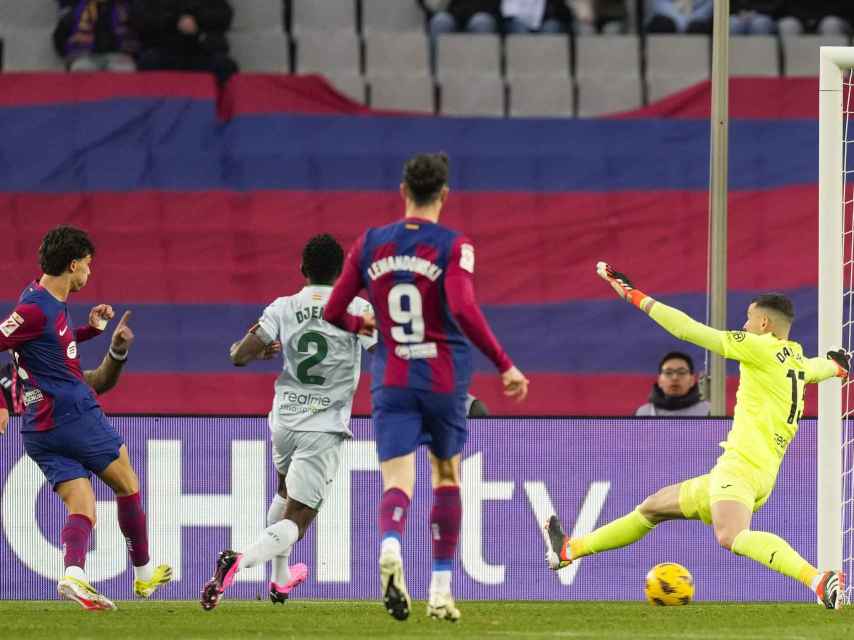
(676, 322)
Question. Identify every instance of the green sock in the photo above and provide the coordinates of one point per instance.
(775, 553)
(617, 533)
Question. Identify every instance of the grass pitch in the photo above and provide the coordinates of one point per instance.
(307, 620)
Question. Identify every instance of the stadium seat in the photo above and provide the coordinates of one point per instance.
(261, 51)
(543, 55)
(468, 54)
(674, 62)
(29, 14)
(472, 95)
(323, 15)
(337, 52)
(800, 53)
(608, 93)
(541, 96)
(257, 15)
(391, 15)
(403, 92)
(351, 85)
(754, 56)
(397, 53)
(607, 54)
(30, 50)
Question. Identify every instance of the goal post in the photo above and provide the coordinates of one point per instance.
(832, 151)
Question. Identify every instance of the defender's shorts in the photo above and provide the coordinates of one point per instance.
(732, 478)
(407, 418)
(309, 461)
(74, 450)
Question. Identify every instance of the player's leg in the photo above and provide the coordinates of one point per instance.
(397, 431)
(668, 503)
(280, 571)
(735, 492)
(118, 474)
(445, 421)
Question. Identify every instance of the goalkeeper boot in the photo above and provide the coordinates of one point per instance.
(558, 555)
(83, 594)
(831, 590)
(279, 593)
(226, 567)
(395, 596)
(441, 606)
(161, 575)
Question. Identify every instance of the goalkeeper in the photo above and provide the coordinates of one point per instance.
(769, 402)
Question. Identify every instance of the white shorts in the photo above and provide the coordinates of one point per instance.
(309, 461)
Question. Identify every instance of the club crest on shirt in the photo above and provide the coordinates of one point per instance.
(11, 324)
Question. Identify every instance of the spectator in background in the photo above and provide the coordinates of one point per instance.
(607, 16)
(96, 35)
(680, 16)
(755, 17)
(184, 35)
(472, 16)
(676, 392)
(825, 17)
(536, 16)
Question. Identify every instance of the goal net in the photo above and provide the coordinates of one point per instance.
(835, 482)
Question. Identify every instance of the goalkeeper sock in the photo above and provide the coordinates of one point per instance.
(618, 533)
(775, 553)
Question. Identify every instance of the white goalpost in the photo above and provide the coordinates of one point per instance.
(835, 446)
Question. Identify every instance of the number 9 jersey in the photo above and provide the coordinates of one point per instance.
(419, 278)
(322, 364)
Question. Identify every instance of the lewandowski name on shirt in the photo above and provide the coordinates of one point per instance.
(414, 264)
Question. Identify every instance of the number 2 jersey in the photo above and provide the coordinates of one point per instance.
(419, 278)
(322, 364)
(53, 389)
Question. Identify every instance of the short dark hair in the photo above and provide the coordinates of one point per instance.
(60, 246)
(776, 302)
(322, 259)
(425, 175)
(681, 356)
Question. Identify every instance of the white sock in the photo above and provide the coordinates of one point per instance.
(144, 572)
(273, 541)
(276, 510)
(76, 572)
(390, 544)
(815, 581)
(281, 574)
(440, 582)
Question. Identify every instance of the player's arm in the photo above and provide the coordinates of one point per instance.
(257, 344)
(99, 316)
(837, 364)
(5, 401)
(459, 291)
(736, 345)
(347, 287)
(106, 376)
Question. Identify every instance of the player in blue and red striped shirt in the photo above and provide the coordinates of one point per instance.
(419, 277)
(64, 430)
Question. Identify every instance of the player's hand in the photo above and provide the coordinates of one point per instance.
(619, 281)
(515, 384)
(843, 361)
(4, 421)
(123, 335)
(369, 324)
(271, 350)
(187, 24)
(99, 316)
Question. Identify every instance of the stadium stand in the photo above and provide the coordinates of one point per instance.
(674, 62)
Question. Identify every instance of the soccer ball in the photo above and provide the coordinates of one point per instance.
(669, 584)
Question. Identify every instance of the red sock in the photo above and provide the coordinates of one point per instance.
(132, 524)
(75, 540)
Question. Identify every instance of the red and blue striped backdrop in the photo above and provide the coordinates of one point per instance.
(200, 204)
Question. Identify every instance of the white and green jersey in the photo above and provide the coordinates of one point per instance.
(321, 362)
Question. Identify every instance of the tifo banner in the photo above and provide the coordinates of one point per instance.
(206, 483)
(200, 204)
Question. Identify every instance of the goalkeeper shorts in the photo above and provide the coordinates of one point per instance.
(732, 478)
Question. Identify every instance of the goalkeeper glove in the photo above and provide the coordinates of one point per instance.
(622, 285)
(842, 359)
